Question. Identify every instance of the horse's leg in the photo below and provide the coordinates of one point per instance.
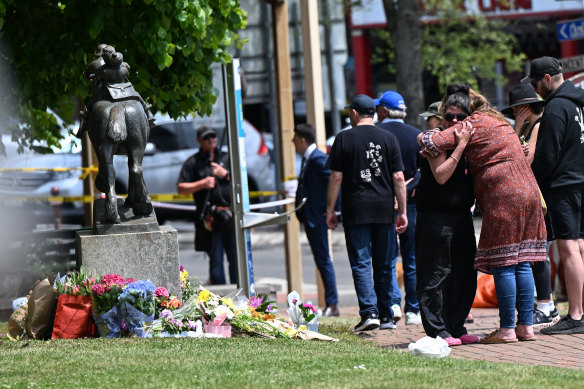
(141, 203)
(106, 160)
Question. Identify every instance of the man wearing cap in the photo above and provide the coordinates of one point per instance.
(558, 166)
(391, 112)
(367, 169)
(205, 175)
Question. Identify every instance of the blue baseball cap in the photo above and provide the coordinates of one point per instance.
(391, 100)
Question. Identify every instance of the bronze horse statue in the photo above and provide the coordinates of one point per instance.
(118, 124)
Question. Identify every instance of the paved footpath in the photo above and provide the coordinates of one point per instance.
(559, 351)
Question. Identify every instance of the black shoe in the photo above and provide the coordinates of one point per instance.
(331, 311)
(566, 326)
(368, 323)
(554, 313)
(387, 324)
(541, 320)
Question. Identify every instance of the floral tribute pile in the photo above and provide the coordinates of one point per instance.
(112, 306)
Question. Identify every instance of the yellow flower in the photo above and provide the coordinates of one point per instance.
(203, 296)
(184, 275)
(228, 302)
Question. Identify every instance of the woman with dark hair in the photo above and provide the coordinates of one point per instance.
(513, 230)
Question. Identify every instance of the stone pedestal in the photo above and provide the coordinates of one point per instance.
(149, 255)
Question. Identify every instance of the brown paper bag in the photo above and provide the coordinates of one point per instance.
(16, 322)
(41, 311)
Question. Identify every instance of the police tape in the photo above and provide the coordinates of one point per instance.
(85, 170)
(160, 197)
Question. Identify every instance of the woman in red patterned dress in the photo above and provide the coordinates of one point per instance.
(513, 230)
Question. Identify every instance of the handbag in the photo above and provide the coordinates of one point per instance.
(218, 219)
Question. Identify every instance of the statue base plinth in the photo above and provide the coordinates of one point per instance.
(128, 221)
(149, 255)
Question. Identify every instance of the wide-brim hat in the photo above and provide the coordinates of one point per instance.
(520, 95)
(433, 110)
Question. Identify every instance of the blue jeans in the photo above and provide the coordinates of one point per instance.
(514, 285)
(407, 247)
(369, 247)
(219, 243)
(319, 244)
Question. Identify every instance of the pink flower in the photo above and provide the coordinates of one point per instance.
(76, 289)
(309, 306)
(161, 292)
(179, 324)
(129, 281)
(110, 279)
(182, 268)
(255, 301)
(98, 289)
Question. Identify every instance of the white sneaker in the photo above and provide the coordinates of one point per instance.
(396, 312)
(413, 318)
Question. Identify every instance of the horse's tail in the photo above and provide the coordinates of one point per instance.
(116, 127)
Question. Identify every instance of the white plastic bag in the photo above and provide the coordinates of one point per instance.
(430, 347)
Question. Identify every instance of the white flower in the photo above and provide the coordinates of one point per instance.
(223, 309)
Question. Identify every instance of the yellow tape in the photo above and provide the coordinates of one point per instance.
(160, 197)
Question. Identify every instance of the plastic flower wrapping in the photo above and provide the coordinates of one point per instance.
(301, 313)
(186, 286)
(137, 306)
(75, 283)
(104, 298)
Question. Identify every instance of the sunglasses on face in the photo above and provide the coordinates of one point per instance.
(210, 136)
(459, 116)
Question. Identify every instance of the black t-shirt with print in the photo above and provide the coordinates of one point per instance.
(367, 156)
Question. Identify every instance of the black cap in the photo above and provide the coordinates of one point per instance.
(542, 66)
(519, 95)
(203, 131)
(433, 110)
(362, 104)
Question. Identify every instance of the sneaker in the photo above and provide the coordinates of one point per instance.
(453, 341)
(555, 315)
(541, 320)
(413, 318)
(565, 326)
(396, 312)
(387, 324)
(370, 322)
(468, 339)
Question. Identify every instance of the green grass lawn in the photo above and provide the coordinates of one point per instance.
(253, 362)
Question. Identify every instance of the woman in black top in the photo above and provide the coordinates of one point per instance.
(445, 242)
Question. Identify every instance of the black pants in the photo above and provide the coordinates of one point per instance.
(446, 279)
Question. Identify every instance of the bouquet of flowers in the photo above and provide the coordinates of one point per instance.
(302, 313)
(73, 315)
(105, 304)
(137, 307)
(186, 286)
(180, 326)
(262, 307)
(163, 300)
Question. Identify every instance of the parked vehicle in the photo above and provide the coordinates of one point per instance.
(170, 144)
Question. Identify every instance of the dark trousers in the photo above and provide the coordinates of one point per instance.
(319, 244)
(221, 242)
(447, 282)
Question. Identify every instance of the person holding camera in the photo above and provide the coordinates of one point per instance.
(206, 175)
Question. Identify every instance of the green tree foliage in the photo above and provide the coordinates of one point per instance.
(460, 47)
(170, 46)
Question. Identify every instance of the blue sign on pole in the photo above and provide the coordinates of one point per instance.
(571, 30)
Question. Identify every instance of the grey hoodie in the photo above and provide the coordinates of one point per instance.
(559, 153)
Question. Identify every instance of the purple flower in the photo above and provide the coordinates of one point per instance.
(255, 301)
(182, 268)
(166, 314)
(123, 325)
(191, 324)
(270, 308)
(179, 324)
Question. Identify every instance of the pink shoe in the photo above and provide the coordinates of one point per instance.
(453, 341)
(468, 339)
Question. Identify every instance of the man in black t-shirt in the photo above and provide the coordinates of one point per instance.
(205, 175)
(367, 168)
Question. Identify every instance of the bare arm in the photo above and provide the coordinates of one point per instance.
(532, 143)
(443, 167)
(194, 187)
(401, 222)
(334, 188)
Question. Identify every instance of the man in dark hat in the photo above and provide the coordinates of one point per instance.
(432, 115)
(205, 175)
(366, 166)
(558, 166)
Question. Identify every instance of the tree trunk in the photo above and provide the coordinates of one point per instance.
(404, 25)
